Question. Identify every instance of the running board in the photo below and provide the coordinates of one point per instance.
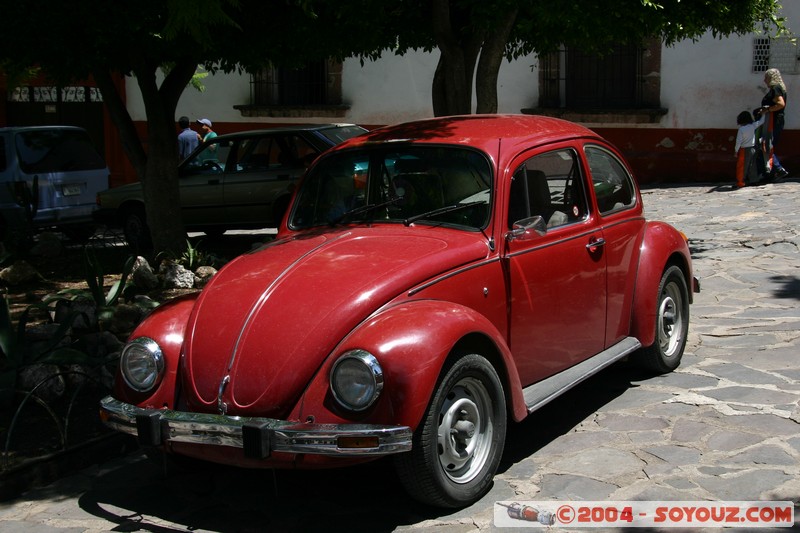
(540, 393)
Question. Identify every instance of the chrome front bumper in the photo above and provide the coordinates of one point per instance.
(258, 437)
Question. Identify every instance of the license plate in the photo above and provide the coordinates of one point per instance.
(71, 190)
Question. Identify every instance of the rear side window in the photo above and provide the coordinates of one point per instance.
(612, 184)
(43, 151)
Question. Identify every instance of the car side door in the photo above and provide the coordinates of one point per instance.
(556, 275)
(260, 182)
(620, 210)
(201, 185)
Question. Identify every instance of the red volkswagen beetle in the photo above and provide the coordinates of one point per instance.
(431, 282)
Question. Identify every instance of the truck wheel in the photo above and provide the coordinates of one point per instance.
(672, 323)
(459, 443)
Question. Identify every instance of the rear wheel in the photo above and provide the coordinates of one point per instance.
(458, 445)
(672, 323)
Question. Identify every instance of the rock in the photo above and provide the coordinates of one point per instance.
(18, 273)
(143, 275)
(46, 379)
(202, 275)
(47, 245)
(175, 276)
(125, 318)
(85, 313)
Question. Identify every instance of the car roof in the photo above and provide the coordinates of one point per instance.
(477, 130)
(283, 129)
(13, 129)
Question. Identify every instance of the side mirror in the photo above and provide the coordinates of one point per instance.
(521, 229)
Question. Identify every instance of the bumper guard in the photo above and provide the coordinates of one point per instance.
(258, 437)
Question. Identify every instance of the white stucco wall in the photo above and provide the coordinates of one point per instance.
(398, 88)
(705, 84)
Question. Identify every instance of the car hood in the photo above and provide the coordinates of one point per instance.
(265, 323)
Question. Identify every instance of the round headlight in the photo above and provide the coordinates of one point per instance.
(142, 364)
(356, 380)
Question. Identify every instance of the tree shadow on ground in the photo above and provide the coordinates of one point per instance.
(788, 287)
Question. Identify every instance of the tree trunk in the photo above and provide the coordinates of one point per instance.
(491, 58)
(160, 181)
(452, 81)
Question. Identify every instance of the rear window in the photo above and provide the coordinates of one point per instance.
(42, 151)
(341, 134)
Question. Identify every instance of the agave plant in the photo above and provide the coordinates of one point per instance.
(18, 352)
(95, 281)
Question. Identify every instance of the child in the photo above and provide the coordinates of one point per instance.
(745, 149)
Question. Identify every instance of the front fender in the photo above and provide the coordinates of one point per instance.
(167, 326)
(411, 341)
(662, 245)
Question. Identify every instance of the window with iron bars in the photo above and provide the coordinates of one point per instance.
(573, 79)
(281, 86)
(775, 52)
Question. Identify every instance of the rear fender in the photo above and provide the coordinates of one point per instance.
(412, 342)
(662, 246)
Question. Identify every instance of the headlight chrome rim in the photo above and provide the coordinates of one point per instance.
(142, 375)
(364, 393)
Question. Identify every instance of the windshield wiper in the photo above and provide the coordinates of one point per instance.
(441, 211)
(344, 217)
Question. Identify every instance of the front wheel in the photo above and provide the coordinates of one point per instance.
(458, 445)
(134, 226)
(672, 323)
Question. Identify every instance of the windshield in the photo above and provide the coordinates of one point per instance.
(56, 150)
(412, 184)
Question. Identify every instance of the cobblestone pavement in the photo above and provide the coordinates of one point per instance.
(724, 427)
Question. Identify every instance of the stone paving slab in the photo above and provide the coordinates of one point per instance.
(725, 426)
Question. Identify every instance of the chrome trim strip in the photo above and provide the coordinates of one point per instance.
(548, 389)
(284, 436)
(456, 272)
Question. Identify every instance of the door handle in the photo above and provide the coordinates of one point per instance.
(213, 182)
(595, 244)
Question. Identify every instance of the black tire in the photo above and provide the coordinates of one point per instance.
(468, 410)
(134, 226)
(78, 234)
(671, 326)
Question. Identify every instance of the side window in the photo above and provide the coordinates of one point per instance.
(253, 155)
(304, 152)
(548, 185)
(3, 162)
(612, 184)
(210, 161)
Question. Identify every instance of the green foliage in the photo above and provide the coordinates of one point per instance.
(18, 352)
(191, 258)
(95, 281)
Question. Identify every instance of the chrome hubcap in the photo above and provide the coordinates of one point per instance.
(465, 430)
(670, 320)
